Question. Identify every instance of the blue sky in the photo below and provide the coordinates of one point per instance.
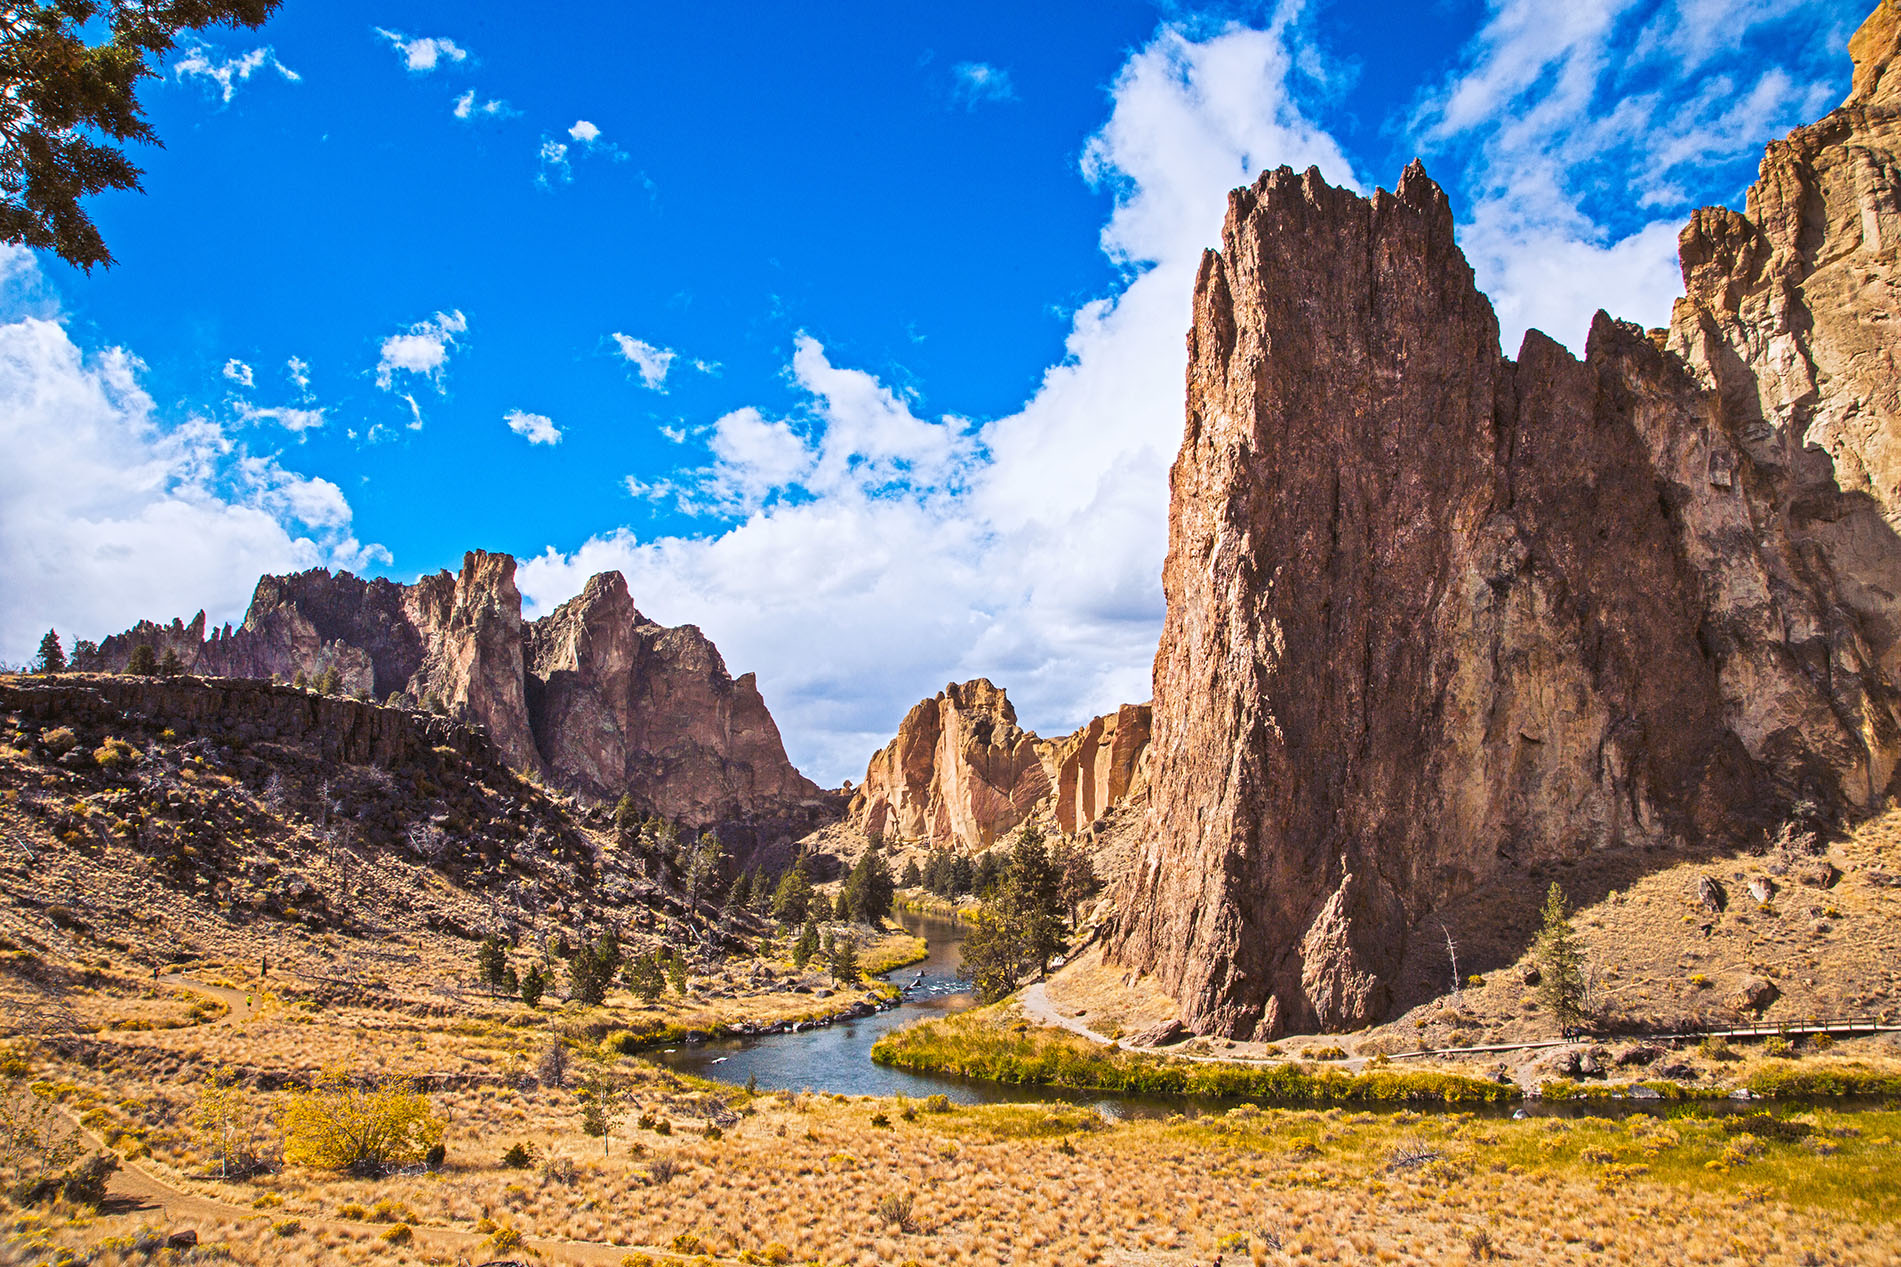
(852, 333)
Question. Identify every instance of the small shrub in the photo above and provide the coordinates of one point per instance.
(561, 1170)
(894, 1210)
(59, 741)
(338, 1125)
(518, 1157)
(1821, 1042)
(113, 755)
(287, 1227)
(1777, 1046)
(662, 1169)
(937, 1104)
(881, 1120)
(399, 1235)
(687, 1243)
(504, 1238)
(353, 1211)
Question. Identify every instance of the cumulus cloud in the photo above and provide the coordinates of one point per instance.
(470, 106)
(238, 372)
(870, 554)
(652, 362)
(425, 52)
(110, 513)
(421, 351)
(974, 83)
(584, 132)
(1581, 134)
(537, 428)
(223, 74)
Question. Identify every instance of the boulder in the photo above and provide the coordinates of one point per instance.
(1639, 1054)
(185, 1238)
(1163, 1034)
(1754, 994)
(1710, 894)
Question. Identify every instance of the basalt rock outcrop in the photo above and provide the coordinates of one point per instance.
(962, 772)
(594, 696)
(1437, 618)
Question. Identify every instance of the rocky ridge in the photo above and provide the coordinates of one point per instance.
(1438, 620)
(594, 696)
(962, 772)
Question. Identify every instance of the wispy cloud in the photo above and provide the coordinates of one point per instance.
(974, 83)
(1578, 132)
(298, 371)
(423, 53)
(238, 372)
(224, 74)
(470, 106)
(537, 428)
(653, 362)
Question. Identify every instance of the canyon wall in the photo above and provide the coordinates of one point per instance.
(594, 696)
(1436, 618)
(962, 772)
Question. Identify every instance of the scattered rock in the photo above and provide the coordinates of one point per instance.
(1532, 975)
(186, 1238)
(1162, 1035)
(1762, 888)
(1641, 1054)
(1754, 994)
(1816, 873)
(1711, 894)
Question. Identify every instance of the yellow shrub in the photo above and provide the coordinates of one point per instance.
(338, 1125)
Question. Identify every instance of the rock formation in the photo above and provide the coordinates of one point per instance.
(594, 695)
(1437, 618)
(962, 771)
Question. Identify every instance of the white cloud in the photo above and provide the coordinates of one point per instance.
(224, 74)
(110, 514)
(424, 53)
(555, 167)
(299, 373)
(538, 428)
(469, 106)
(874, 554)
(652, 362)
(422, 350)
(584, 132)
(1565, 120)
(238, 372)
(976, 82)
(296, 421)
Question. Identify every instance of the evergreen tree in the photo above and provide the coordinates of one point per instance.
(960, 876)
(704, 869)
(844, 961)
(592, 970)
(170, 665)
(1560, 956)
(626, 819)
(807, 945)
(841, 906)
(52, 658)
(329, 682)
(995, 956)
(739, 897)
(676, 971)
(1076, 878)
(912, 878)
(792, 904)
(67, 103)
(645, 977)
(142, 662)
(533, 984)
(868, 891)
(491, 961)
(987, 873)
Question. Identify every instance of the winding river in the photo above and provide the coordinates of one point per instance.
(837, 1057)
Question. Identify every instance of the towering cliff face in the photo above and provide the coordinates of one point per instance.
(1437, 618)
(962, 772)
(594, 695)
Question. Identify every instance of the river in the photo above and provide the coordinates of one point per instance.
(837, 1057)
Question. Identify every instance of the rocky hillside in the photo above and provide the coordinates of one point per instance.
(1439, 621)
(593, 696)
(961, 772)
(161, 820)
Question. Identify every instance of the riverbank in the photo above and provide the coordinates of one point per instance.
(1000, 1044)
